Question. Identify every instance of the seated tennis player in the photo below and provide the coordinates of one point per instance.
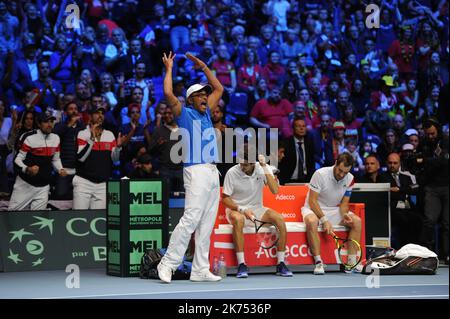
(327, 204)
(243, 198)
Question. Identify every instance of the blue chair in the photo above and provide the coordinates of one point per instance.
(238, 104)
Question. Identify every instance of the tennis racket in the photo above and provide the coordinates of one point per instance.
(349, 252)
(267, 234)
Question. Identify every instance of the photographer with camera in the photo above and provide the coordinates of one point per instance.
(434, 178)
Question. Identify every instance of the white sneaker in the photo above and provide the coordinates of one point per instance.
(204, 276)
(358, 269)
(319, 269)
(164, 273)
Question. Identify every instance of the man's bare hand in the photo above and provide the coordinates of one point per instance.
(249, 214)
(328, 228)
(198, 64)
(62, 172)
(168, 60)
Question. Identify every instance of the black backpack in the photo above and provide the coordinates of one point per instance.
(151, 259)
(149, 262)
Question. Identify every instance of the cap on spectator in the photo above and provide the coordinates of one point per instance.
(198, 87)
(407, 147)
(411, 131)
(338, 125)
(46, 116)
(363, 62)
(133, 106)
(388, 80)
(144, 159)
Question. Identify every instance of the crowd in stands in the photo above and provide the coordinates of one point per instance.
(314, 69)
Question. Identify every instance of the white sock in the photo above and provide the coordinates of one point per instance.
(240, 258)
(280, 256)
(317, 259)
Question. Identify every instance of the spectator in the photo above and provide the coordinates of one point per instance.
(160, 147)
(249, 72)
(135, 136)
(26, 123)
(148, 91)
(410, 98)
(97, 150)
(360, 98)
(144, 168)
(107, 89)
(323, 138)
(311, 108)
(385, 99)
(83, 98)
(291, 48)
(351, 147)
(180, 23)
(435, 181)
(308, 48)
(67, 131)
(261, 91)
(349, 118)
(413, 138)
(300, 113)
(116, 51)
(389, 145)
(5, 129)
(273, 71)
(63, 63)
(9, 30)
(278, 9)
(406, 222)
(49, 88)
(297, 165)
(372, 171)
(224, 69)
(273, 112)
(338, 139)
(128, 62)
(267, 45)
(399, 125)
(32, 187)
(24, 72)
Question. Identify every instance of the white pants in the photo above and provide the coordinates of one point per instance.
(202, 187)
(332, 213)
(25, 195)
(88, 195)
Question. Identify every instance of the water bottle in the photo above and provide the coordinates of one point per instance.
(215, 269)
(222, 266)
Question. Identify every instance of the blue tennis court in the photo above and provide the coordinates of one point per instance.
(94, 283)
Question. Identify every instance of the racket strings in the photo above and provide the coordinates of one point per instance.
(349, 253)
(267, 237)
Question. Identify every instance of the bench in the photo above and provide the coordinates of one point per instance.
(288, 202)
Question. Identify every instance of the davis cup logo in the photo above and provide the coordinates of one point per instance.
(30, 245)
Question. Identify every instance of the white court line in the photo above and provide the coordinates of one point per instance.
(377, 297)
(228, 290)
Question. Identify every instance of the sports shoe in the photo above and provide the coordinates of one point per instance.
(283, 270)
(319, 269)
(164, 273)
(242, 271)
(204, 276)
(357, 269)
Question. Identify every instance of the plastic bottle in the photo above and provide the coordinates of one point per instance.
(215, 269)
(222, 266)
